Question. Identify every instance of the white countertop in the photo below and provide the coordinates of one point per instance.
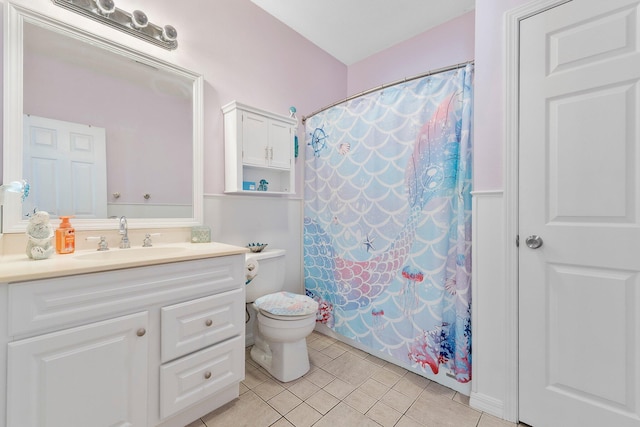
(15, 268)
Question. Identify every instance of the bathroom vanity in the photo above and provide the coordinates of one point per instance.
(139, 338)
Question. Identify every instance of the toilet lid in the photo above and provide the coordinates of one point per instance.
(287, 304)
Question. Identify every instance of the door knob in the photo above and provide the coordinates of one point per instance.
(533, 241)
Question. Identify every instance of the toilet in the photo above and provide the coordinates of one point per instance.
(284, 319)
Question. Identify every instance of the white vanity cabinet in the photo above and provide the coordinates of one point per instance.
(149, 346)
(258, 145)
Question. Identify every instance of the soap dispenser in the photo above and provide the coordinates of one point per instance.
(65, 236)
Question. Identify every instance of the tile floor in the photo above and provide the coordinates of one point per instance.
(345, 387)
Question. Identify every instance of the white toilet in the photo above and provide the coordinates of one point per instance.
(284, 319)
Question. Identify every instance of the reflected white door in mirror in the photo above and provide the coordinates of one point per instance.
(66, 69)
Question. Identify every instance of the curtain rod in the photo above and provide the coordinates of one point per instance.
(374, 89)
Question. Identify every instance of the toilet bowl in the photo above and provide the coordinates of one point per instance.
(283, 319)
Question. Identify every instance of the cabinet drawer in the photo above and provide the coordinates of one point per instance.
(193, 325)
(192, 378)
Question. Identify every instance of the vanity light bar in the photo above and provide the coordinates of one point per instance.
(135, 23)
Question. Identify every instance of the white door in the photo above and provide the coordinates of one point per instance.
(66, 165)
(580, 192)
(86, 376)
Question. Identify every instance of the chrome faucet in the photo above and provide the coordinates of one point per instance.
(124, 231)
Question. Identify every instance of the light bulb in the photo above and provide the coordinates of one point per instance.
(106, 7)
(169, 34)
(139, 19)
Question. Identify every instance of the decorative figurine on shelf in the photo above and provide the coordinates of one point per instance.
(292, 112)
(39, 234)
(263, 185)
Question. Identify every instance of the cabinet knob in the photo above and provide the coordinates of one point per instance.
(141, 332)
(207, 375)
(209, 322)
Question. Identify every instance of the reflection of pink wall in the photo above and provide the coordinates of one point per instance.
(447, 44)
(142, 151)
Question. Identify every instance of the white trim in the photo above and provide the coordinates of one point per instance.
(487, 193)
(511, 102)
(487, 404)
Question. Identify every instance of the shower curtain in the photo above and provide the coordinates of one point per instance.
(387, 226)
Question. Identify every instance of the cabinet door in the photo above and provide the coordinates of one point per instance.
(255, 140)
(90, 375)
(280, 145)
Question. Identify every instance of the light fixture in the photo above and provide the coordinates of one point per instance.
(136, 23)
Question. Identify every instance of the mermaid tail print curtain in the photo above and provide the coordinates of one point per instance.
(387, 227)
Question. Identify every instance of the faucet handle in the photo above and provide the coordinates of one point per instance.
(102, 244)
(146, 243)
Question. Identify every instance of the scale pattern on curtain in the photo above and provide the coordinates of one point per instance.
(387, 227)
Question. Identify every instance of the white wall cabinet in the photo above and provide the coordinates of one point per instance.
(149, 346)
(258, 145)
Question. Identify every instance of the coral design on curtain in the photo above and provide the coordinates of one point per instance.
(387, 227)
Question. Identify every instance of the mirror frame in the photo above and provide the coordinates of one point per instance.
(15, 17)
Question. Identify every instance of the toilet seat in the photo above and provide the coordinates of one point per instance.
(286, 306)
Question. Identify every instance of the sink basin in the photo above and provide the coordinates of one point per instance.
(131, 254)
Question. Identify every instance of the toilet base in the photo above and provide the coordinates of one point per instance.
(284, 361)
(273, 349)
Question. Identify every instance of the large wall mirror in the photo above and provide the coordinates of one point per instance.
(99, 130)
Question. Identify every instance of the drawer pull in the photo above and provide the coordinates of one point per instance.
(141, 332)
(209, 322)
(207, 375)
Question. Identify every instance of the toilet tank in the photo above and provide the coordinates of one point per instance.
(269, 268)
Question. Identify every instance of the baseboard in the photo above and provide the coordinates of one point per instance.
(487, 404)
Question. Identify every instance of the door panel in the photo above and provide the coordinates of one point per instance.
(579, 151)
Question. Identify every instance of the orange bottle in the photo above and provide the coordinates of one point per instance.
(65, 236)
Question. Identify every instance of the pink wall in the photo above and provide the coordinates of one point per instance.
(447, 44)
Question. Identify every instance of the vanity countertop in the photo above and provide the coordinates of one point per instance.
(16, 268)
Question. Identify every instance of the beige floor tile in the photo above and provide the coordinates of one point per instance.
(303, 389)
(333, 351)
(408, 422)
(487, 420)
(282, 422)
(196, 423)
(440, 411)
(351, 368)
(284, 402)
(318, 358)
(461, 398)
(243, 388)
(395, 369)
(435, 389)
(268, 389)
(303, 416)
(408, 388)
(375, 360)
(344, 415)
(322, 401)
(361, 354)
(373, 388)
(320, 377)
(359, 401)
(253, 378)
(416, 379)
(321, 343)
(383, 414)
(386, 377)
(246, 411)
(339, 388)
(397, 401)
